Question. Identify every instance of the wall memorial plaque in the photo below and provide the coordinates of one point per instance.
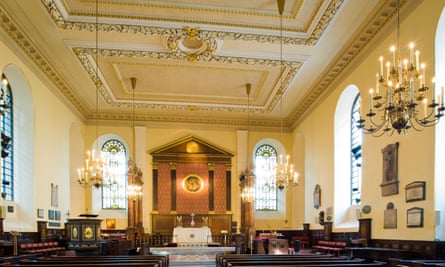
(390, 181)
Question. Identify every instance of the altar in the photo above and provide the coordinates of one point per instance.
(192, 235)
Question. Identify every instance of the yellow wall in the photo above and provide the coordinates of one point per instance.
(416, 150)
(52, 122)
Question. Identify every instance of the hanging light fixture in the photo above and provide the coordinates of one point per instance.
(285, 175)
(248, 193)
(134, 173)
(400, 93)
(94, 172)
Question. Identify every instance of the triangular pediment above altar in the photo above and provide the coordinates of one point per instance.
(190, 147)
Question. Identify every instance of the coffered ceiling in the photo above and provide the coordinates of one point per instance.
(192, 59)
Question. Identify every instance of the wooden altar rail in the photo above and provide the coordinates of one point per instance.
(158, 240)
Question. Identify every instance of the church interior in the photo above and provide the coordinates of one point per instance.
(262, 131)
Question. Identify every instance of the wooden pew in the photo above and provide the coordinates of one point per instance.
(365, 264)
(221, 259)
(292, 262)
(107, 264)
(273, 260)
(164, 259)
(393, 262)
(99, 261)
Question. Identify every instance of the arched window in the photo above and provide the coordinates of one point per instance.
(114, 190)
(347, 154)
(7, 138)
(265, 188)
(356, 155)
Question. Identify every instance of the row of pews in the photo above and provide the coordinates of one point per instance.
(392, 262)
(245, 260)
(96, 261)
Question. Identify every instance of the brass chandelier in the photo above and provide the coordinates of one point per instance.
(400, 99)
(284, 176)
(95, 169)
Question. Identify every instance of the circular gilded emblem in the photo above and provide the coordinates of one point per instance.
(192, 183)
(88, 233)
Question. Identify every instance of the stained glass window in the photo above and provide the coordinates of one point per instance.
(265, 186)
(7, 153)
(114, 189)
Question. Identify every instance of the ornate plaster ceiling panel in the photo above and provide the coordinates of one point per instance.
(192, 58)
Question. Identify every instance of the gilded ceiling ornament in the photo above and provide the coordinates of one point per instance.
(190, 45)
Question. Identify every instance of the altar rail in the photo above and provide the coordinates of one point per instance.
(158, 240)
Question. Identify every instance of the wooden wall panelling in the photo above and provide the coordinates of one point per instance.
(163, 224)
(220, 222)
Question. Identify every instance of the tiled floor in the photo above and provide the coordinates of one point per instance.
(201, 260)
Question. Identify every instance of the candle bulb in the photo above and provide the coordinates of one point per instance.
(441, 96)
(400, 74)
(425, 101)
(371, 91)
(390, 93)
(388, 66)
(411, 53)
(434, 90)
(422, 66)
(393, 51)
(381, 65)
(417, 60)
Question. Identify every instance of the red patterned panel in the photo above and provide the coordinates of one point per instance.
(187, 202)
(164, 185)
(220, 188)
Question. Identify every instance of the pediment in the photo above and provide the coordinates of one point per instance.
(191, 148)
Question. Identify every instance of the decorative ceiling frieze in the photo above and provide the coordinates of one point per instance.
(312, 37)
(292, 67)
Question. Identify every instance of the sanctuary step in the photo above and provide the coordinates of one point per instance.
(192, 255)
(192, 250)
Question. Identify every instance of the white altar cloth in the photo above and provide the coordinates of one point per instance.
(192, 235)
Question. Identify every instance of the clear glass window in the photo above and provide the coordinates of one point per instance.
(356, 154)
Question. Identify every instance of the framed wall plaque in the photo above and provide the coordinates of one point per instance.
(40, 213)
(414, 217)
(390, 217)
(390, 181)
(415, 191)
